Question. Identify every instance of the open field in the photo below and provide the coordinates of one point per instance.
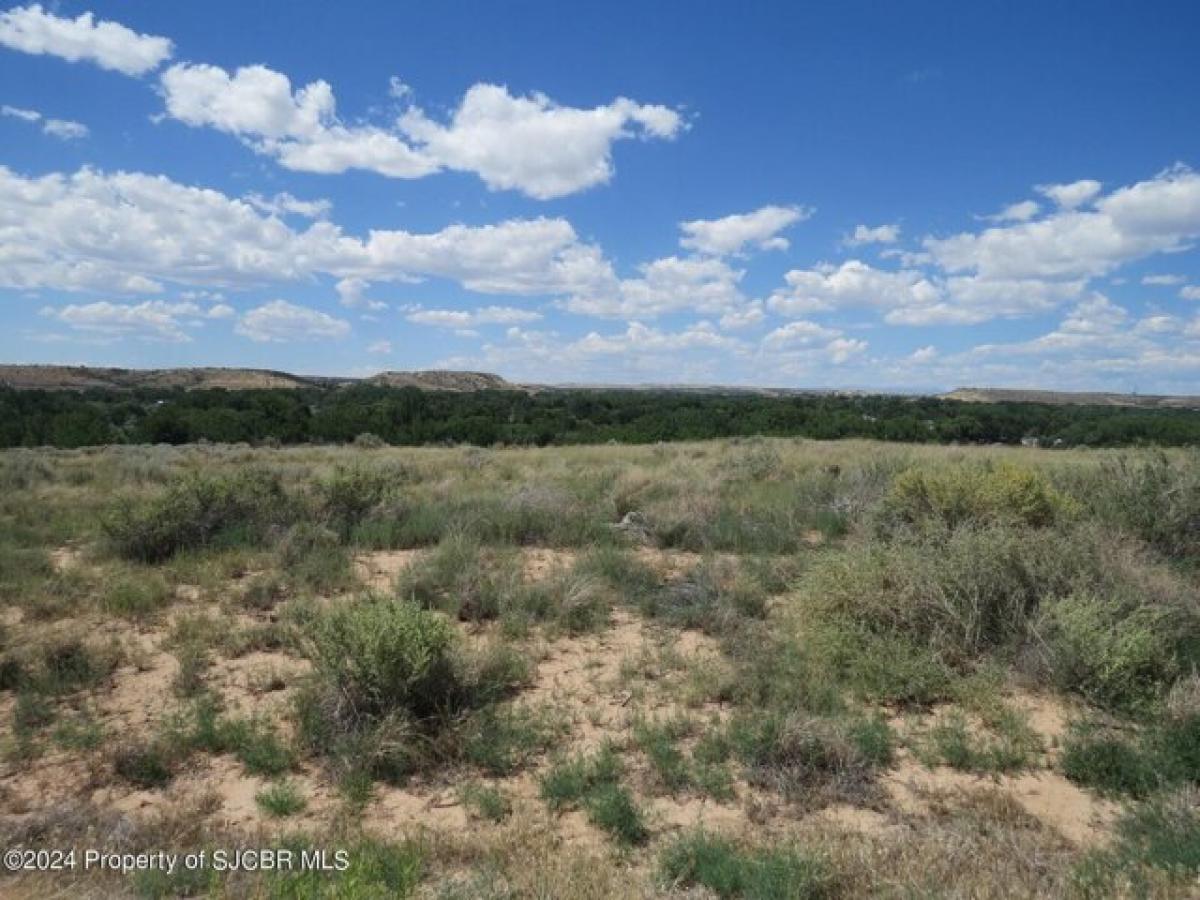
(747, 668)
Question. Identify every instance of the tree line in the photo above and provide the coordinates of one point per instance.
(412, 417)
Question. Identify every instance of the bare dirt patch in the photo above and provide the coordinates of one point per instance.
(1047, 796)
(379, 569)
(64, 558)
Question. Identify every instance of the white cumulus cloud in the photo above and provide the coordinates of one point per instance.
(732, 234)
(1022, 211)
(110, 45)
(1157, 215)
(880, 234)
(852, 284)
(469, 318)
(283, 204)
(280, 321)
(529, 144)
(672, 284)
(132, 232)
(1070, 196)
(63, 129)
(533, 144)
(152, 319)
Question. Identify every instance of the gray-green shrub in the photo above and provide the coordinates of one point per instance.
(198, 511)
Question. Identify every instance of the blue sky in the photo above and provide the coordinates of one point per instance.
(904, 196)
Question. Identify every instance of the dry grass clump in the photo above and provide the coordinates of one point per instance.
(813, 761)
(980, 844)
(21, 470)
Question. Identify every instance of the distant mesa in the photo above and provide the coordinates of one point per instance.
(437, 380)
(81, 378)
(50, 378)
(1071, 398)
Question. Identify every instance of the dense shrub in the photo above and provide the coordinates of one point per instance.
(384, 656)
(391, 692)
(199, 511)
(1152, 496)
(961, 494)
(345, 498)
(1120, 652)
(311, 555)
(959, 592)
(985, 588)
(23, 469)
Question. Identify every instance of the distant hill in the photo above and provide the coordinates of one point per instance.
(438, 380)
(1071, 398)
(50, 378)
(79, 378)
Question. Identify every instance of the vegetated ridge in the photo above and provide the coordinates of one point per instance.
(1071, 398)
(59, 377)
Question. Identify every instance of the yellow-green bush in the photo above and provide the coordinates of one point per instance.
(1001, 493)
(1116, 652)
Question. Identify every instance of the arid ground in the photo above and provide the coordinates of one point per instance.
(759, 668)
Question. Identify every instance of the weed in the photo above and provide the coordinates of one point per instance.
(256, 745)
(950, 741)
(137, 595)
(486, 801)
(569, 780)
(373, 869)
(501, 741)
(280, 799)
(146, 765)
(610, 807)
(810, 760)
(659, 741)
(1156, 851)
(716, 863)
(1108, 763)
(81, 732)
(463, 580)
(193, 664)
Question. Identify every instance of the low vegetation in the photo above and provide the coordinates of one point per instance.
(750, 668)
